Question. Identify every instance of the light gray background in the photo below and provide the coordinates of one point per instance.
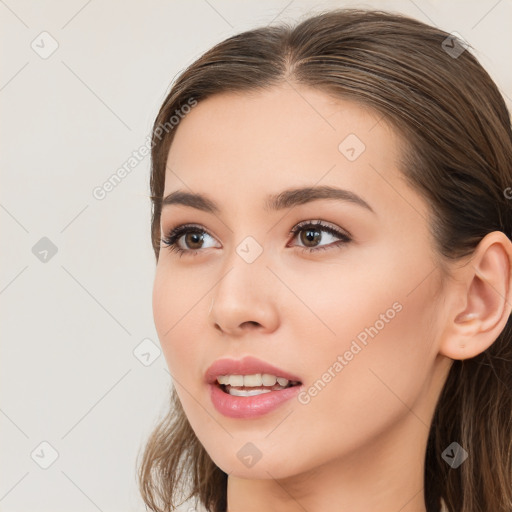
(70, 324)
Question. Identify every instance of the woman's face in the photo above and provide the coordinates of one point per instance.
(353, 318)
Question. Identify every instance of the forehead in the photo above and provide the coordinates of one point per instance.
(254, 144)
(274, 119)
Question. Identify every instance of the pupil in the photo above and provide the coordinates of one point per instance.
(196, 238)
(312, 235)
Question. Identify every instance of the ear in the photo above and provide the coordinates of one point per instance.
(480, 299)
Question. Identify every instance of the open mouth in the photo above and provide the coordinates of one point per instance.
(254, 390)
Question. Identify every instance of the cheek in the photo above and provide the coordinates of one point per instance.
(175, 313)
(375, 370)
(179, 315)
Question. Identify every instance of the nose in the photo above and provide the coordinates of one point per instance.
(245, 299)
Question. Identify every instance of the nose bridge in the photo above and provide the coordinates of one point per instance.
(244, 269)
(245, 293)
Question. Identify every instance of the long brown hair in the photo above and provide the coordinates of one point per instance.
(457, 154)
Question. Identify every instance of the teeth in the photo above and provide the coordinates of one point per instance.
(236, 380)
(255, 380)
(223, 379)
(250, 392)
(269, 380)
(251, 380)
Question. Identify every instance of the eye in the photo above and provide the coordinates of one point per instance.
(313, 234)
(194, 237)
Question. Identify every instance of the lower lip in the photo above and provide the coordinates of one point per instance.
(250, 406)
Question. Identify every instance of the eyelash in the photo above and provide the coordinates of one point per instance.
(172, 238)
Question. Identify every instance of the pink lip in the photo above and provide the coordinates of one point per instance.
(247, 366)
(247, 406)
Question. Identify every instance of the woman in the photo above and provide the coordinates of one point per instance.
(331, 225)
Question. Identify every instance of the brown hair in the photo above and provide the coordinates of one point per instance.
(457, 153)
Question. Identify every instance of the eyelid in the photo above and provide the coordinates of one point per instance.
(325, 225)
(301, 224)
(181, 229)
(175, 234)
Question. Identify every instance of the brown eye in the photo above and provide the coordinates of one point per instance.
(310, 236)
(193, 239)
(312, 233)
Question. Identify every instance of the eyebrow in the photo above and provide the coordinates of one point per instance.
(285, 199)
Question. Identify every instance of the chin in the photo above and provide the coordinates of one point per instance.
(270, 467)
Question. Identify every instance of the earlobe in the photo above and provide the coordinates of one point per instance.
(484, 290)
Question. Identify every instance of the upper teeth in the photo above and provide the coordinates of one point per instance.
(258, 379)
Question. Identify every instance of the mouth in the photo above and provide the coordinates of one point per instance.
(249, 376)
(253, 385)
(249, 388)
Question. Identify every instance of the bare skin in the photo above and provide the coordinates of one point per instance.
(359, 443)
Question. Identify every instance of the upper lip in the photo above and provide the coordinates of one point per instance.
(246, 366)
